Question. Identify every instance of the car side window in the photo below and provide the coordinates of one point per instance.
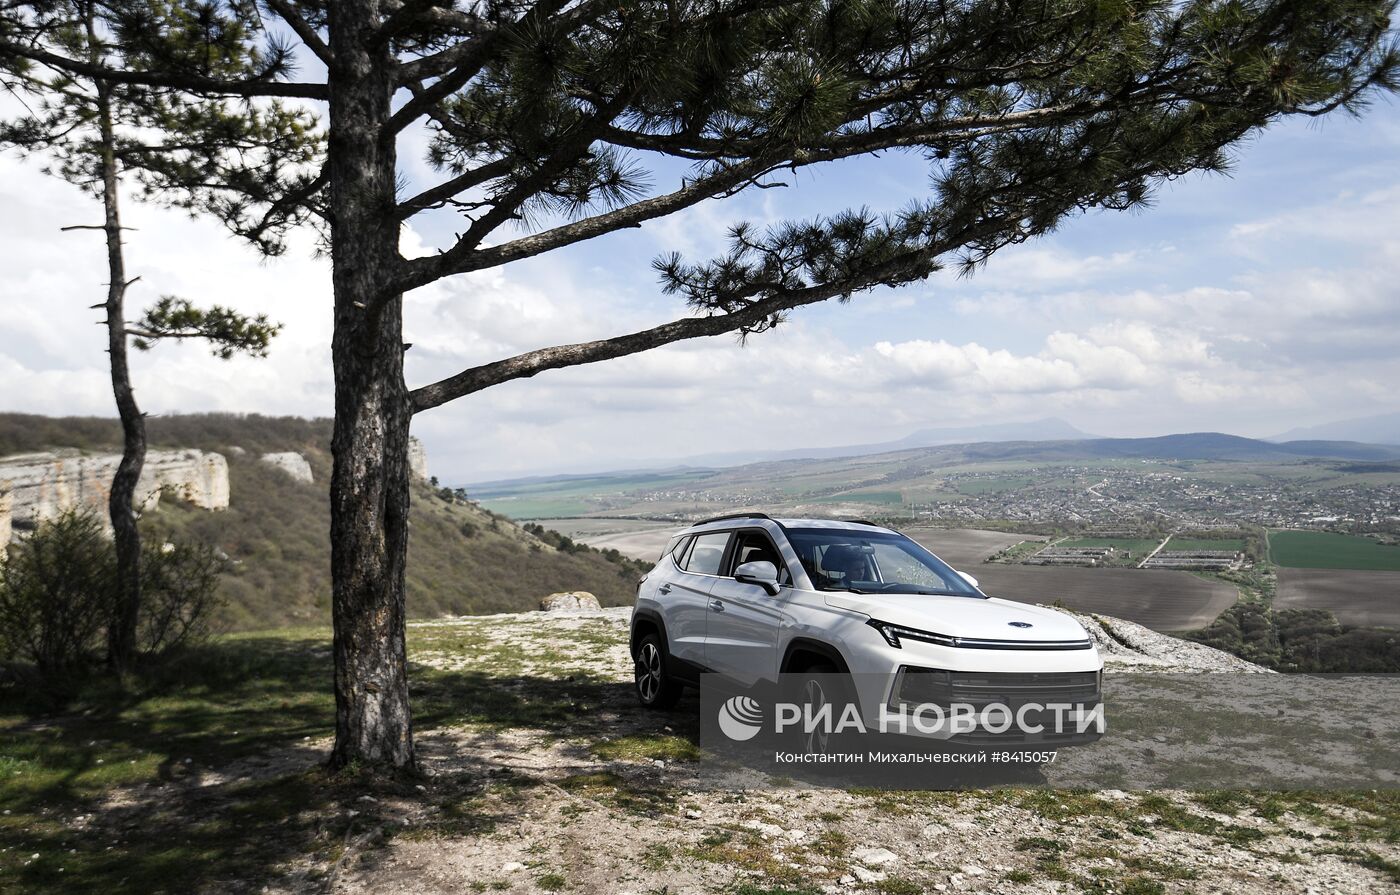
(754, 546)
(680, 548)
(707, 554)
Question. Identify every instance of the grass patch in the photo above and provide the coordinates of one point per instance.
(642, 747)
(881, 498)
(617, 792)
(1236, 544)
(1329, 550)
(1137, 547)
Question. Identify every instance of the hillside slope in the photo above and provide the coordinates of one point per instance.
(463, 560)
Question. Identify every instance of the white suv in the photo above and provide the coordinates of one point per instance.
(750, 598)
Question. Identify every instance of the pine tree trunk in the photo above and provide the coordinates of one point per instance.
(370, 477)
(121, 630)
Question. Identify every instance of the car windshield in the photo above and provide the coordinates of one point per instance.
(874, 562)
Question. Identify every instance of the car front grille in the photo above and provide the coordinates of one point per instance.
(1011, 688)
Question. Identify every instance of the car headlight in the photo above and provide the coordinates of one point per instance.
(893, 633)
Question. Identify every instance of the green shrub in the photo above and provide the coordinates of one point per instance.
(57, 594)
(179, 596)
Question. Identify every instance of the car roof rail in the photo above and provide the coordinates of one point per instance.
(862, 522)
(729, 516)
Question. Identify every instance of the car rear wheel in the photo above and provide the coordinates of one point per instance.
(656, 689)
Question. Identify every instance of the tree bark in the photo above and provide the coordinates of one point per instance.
(121, 631)
(370, 475)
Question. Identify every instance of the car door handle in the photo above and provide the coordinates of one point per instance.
(717, 606)
(664, 589)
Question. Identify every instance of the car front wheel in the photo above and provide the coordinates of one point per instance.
(655, 687)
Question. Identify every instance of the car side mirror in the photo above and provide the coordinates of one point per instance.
(968, 578)
(760, 572)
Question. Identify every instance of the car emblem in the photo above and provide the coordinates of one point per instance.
(1020, 624)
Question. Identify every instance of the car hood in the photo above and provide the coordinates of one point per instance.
(990, 619)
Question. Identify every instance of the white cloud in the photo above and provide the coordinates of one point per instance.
(1135, 341)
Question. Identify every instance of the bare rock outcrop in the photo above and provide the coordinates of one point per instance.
(6, 507)
(570, 601)
(44, 485)
(1127, 646)
(292, 463)
(417, 459)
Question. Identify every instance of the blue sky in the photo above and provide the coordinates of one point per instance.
(1251, 303)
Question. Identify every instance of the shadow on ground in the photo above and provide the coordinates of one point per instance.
(208, 776)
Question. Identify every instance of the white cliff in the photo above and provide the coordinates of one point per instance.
(417, 459)
(292, 463)
(6, 505)
(44, 485)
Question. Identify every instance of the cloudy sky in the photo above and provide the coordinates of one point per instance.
(1250, 304)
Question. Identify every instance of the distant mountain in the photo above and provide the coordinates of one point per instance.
(1187, 446)
(1190, 446)
(1048, 429)
(1381, 429)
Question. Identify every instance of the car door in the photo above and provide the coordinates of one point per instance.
(686, 595)
(741, 636)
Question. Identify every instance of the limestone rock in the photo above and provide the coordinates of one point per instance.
(44, 485)
(1127, 646)
(417, 459)
(6, 503)
(292, 463)
(569, 601)
(875, 857)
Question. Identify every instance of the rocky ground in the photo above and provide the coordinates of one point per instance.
(617, 804)
(541, 774)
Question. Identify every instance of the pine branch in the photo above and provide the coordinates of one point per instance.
(428, 12)
(461, 258)
(303, 29)
(757, 314)
(227, 331)
(438, 195)
(464, 61)
(195, 84)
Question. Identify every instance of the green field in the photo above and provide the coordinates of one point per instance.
(1328, 550)
(885, 498)
(525, 508)
(1205, 544)
(1138, 547)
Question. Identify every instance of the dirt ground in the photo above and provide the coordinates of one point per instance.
(1361, 598)
(620, 808)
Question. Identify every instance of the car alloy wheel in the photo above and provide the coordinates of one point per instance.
(649, 672)
(814, 741)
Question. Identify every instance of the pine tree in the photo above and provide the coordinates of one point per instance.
(551, 118)
(94, 133)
